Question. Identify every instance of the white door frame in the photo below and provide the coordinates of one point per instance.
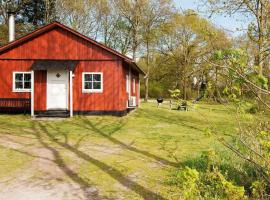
(67, 81)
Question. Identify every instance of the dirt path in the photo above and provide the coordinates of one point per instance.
(44, 178)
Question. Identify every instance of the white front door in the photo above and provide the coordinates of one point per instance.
(57, 89)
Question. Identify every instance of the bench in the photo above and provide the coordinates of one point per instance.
(15, 105)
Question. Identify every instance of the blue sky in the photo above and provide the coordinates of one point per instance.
(232, 25)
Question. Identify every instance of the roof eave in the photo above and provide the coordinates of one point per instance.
(135, 67)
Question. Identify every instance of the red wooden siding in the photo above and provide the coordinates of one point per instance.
(6, 78)
(111, 97)
(40, 90)
(58, 44)
(135, 75)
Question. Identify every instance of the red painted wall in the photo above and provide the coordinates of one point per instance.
(7, 67)
(110, 98)
(6, 78)
(40, 90)
(135, 75)
(58, 44)
(113, 97)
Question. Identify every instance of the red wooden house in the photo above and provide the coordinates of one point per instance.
(57, 69)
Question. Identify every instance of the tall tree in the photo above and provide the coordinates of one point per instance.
(186, 43)
(132, 12)
(114, 30)
(29, 15)
(32, 12)
(7, 6)
(50, 11)
(156, 13)
(80, 15)
(258, 31)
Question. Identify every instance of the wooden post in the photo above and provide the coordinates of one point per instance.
(71, 93)
(32, 93)
(139, 92)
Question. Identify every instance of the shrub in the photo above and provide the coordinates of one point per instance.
(259, 190)
(205, 182)
(187, 180)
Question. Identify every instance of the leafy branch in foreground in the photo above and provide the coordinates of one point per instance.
(252, 143)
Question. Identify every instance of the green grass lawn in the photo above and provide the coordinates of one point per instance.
(10, 161)
(128, 157)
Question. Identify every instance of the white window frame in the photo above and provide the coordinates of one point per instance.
(134, 85)
(92, 90)
(13, 82)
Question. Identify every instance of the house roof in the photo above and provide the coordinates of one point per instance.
(55, 24)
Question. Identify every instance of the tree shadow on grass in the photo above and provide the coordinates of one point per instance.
(57, 159)
(176, 120)
(114, 173)
(91, 126)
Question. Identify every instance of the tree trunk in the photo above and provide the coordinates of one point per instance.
(134, 45)
(184, 89)
(146, 88)
(216, 91)
(147, 73)
(260, 58)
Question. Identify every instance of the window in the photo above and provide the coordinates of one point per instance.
(134, 85)
(92, 82)
(22, 81)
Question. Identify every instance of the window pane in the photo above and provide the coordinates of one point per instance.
(18, 85)
(88, 85)
(27, 77)
(88, 77)
(27, 85)
(96, 85)
(18, 77)
(96, 77)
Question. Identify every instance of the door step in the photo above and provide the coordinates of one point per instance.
(54, 113)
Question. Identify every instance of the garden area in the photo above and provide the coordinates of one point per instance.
(152, 153)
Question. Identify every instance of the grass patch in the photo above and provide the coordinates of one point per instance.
(127, 157)
(11, 160)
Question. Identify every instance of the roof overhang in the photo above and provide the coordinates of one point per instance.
(54, 64)
(135, 67)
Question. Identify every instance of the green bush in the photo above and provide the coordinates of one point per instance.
(205, 185)
(259, 189)
(187, 180)
(205, 180)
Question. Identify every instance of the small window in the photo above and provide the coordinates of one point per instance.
(22, 81)
(92, 82)
(134, 85)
